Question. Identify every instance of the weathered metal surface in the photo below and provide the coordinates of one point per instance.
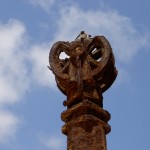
(87, 72)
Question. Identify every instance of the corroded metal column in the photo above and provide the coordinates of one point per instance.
(87, 72)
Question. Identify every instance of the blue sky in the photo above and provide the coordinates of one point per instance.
(31, 104)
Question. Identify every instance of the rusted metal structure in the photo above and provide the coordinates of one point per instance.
(87, 72)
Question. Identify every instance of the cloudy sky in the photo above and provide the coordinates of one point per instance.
(31, 104)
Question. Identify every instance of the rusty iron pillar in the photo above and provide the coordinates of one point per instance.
(86, 71)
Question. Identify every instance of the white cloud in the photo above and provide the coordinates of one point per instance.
(44, 4)
(16, 61)
(15, 30)
(53, 142)
(8, 126)
(15, 78)
(125, 39)
(13, 72)
(39, 59)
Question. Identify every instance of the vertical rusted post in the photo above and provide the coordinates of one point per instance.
(83, 77)
(86, 126)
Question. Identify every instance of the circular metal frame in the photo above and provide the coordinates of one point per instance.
(99, 57)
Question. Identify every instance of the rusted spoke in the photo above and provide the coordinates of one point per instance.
(65, 48)
(65, 67)
(92, 61)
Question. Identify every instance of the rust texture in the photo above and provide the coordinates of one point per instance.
(83, 75)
